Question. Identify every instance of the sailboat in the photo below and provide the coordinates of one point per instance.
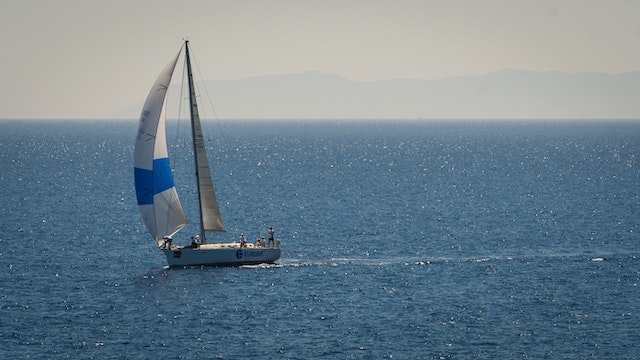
(157, 195)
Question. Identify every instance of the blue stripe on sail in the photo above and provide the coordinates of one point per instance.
(162, 179)
(144, 184)
(150, 183)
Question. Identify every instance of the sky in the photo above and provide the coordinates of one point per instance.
(88, 59)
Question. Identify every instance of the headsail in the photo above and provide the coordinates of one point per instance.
(209, 209)
(155, 190)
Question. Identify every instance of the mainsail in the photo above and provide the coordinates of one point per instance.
(155, 190)
(209, 210)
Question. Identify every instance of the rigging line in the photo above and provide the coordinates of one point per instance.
(181, 110)
(208, 96)
(181, 149)
(179, 126)
(195, 60)
(218, 122)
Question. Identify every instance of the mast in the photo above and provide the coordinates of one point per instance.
(210, 218)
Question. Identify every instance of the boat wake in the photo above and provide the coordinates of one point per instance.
(404, 261)
(262, 266)
(351, 261)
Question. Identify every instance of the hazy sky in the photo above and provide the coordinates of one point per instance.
(89, 59)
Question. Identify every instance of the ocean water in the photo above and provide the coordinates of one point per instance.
(401, 239)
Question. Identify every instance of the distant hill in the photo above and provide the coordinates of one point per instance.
(505, 94)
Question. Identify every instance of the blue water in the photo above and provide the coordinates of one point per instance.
(400, 240)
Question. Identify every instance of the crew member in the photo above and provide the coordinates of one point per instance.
(271, 242)
(167, 242)
(195, 241)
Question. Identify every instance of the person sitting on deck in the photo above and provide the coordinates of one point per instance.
(167, 242)
(195, 241)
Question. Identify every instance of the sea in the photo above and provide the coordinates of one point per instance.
(421, 239)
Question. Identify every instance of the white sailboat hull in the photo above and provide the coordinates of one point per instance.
(220, 255)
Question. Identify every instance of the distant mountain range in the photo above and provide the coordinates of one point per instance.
(505, 94)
